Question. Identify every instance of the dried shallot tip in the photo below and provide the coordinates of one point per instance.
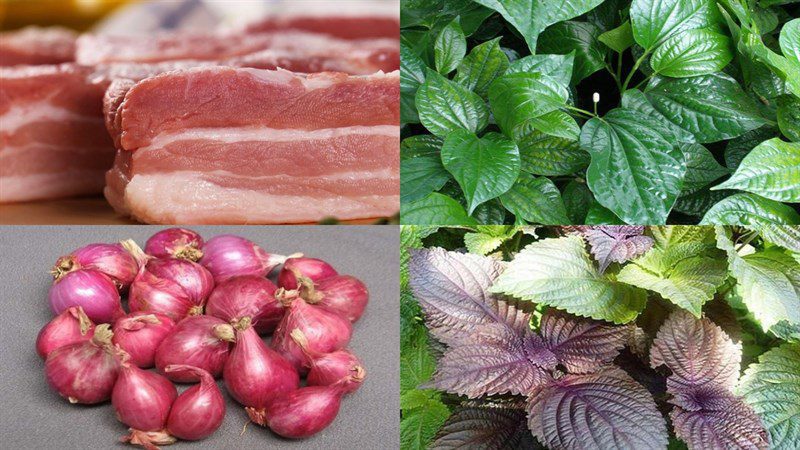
(139, 334)
(326, 369)
(246, 296)
(70, 327)
(142, 399)
(326, 332)
(255, 374)
(117, 261)
(178, 243)
(198, 341)
(312, 268)
(199, 411)
(150, 440)
(343, 294)
(227, 256)
(90, 289)
(303, 412)
(85, 372)
(176, 288)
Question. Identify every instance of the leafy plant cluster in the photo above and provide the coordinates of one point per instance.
(624, 337)
(600, 112)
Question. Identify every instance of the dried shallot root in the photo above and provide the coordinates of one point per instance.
(177, 243)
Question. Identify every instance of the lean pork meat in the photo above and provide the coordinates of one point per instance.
(35, 46)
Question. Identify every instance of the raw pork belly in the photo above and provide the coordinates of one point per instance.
(344, 27)
(53, 141)
(34, 46)
(225, 145)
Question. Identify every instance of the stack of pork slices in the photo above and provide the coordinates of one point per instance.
(286, 120)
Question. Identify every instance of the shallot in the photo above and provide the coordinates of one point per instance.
(254, 374)
(331, 368)
(199, 410)
(84, 372)
(92, 290)
(343, 294)
(175, 243)
(176, 288)
(142, 400)
(227, 256)
(305, 411)
(69, 327)
(325, 330)
(140, 334)
(312, 268)
(199, 341)
(120, 262)
(246, 296)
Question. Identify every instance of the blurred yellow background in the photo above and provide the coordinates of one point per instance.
(77, 14)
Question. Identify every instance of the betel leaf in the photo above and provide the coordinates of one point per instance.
(772, 388)
(768, 282)
(789, 117)
(482, 66)
(579, 38)
(616, 243)
(487, 427)
(558, 273)
(692, 53)
(421, 175)
(558, 67)
(790, 41)
(635, 100)
(577, 199)
(531, 17)
(555, 123)
(618, 39)
(445, 106)
(453, 290)
(450, 47)
(750, 209)
(484, 167)
(701, 168)
(600, 215)
(420, 145)
(517, 97)
(711, 107)
(435, 209)
(550, 155)
(535, 200)
(654, 21)
(636, 172)
(615, 412)
(771, 170)
(412, 75)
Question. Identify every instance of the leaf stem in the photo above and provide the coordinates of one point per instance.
(633, 70)
(581, 111)
(646, 79)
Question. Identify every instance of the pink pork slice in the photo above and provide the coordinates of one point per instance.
(227, 145)
(343, 27)
(36, 46)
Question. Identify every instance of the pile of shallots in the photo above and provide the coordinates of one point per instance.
(198, 311)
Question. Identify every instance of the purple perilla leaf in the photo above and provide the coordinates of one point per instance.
(489, 427)
(615, 243)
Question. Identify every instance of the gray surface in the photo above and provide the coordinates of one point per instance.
(32, 416)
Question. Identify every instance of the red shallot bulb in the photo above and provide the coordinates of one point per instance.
(199, 341)
(246, 296)
(227, 256)
(142, 400)
(120, 262)
(331, 368)
(93, 291)
(199, 410)
(305, 411)
(254, 374)
(343, 294)
(312, 268)
(69, 327)
(325, 331)
(84, 372)
(140, 334)
(176, 288)
(175, 243)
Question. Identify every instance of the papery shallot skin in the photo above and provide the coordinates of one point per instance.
(312, 268)
(178, 243)
(199, 341)
(227, 256)
(140, 334)
(84, 372)
(94, 291)
(305, 411)
(142, 399)
(255, 374)
(114, 260)
(176, 288)
(246, 296)
(199, 411)
(342, 294)
(326, 331)
(70, 327)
